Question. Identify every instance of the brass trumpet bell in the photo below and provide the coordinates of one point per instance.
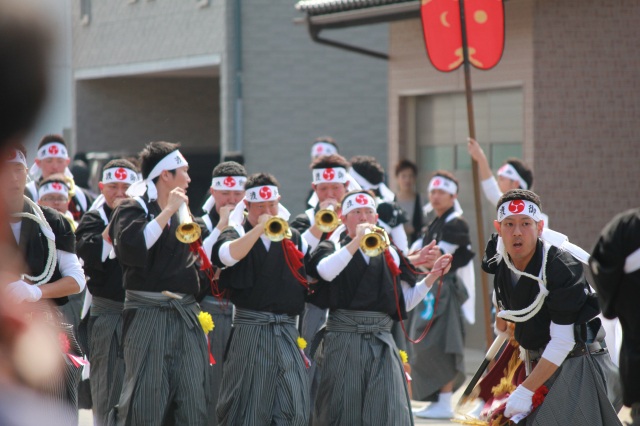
(327, 220)
(188, 231)
(374, 242)
(277, 229)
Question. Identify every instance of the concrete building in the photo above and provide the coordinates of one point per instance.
(565, 97)
(222, 76)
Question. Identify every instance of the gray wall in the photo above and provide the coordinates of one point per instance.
(122, 114)
(296, 90)
(124, 32)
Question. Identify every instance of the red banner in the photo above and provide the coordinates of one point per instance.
(441, 27)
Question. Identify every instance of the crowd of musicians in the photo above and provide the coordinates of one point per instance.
(340, 315)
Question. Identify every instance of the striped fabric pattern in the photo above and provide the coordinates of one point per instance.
(222, 315)
(360, 375)
(580, 393)
(264, 380)
(167, 365)
(107, 368)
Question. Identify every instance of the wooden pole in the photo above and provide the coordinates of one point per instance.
(476, 180)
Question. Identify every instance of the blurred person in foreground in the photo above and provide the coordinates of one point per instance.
(23, 343)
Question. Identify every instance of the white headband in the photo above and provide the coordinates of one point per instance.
(357, 201)
(172, 161)
(16, 156)
(510, 172)
(514, 207)
(261, 194)
(223, 183)
(441, 182)
(385, 193)
(119, 175)
(53, 188)
(228, 183)
(321, 149)
(330, 175)
(52, 150)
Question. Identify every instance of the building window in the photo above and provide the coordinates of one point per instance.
(441, 131)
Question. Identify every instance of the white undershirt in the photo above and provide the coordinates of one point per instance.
(68, 263)
(331, 266)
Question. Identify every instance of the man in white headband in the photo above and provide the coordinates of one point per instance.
(264, 283)
(323, 146)
(615, 264)
(369, 174)
(543, 290)
(53, 192)
(436, 371)
(53, 158)
(160, 276)
(512, 174)
(106, 287)
(226, 191)
(364, 297)
(329, 182)
(50, 269)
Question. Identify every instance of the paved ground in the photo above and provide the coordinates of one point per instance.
(473, 359)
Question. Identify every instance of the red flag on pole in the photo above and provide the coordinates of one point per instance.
(441, 26)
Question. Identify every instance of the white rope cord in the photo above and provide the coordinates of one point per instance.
(530, 311)
(52, 257)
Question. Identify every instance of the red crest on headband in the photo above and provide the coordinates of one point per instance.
(120, 174)
(329, 174)
(516, 206)
(12, 155)
(265, 193)
(53, 149)
(362, 199)
(437, 182)
(229, 181)
(57, 186)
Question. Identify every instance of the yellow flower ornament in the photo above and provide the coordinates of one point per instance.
(206, 322)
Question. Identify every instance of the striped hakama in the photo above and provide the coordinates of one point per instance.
(360, 376)
(222, 315)
(439, 358)
(264, 380)
(167, 365)
(581, 392)
(105, 355)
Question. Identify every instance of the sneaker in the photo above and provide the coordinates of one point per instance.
(435, 411)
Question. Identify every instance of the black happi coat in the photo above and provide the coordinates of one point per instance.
(105, 278)
(455, 231)
(262, 280)
(359, 286)
(569, 300)
(167, 265)
(33, 243)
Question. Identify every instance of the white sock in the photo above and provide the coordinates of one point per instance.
(445, 399)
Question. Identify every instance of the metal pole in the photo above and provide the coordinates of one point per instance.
(476, 180)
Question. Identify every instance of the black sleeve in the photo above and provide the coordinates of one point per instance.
(65, 237)
(127, 233)
(619, 238)
(457, 232)
(407, 272)
(89, 240)
(320, 291)
(228, 234)
(391, 214)
(569, 300)
(489, 264)
(300, 223)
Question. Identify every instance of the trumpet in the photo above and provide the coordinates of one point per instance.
(327, 220)
(374, 242)
(71, 184)
(188, 231)
(277, 229)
